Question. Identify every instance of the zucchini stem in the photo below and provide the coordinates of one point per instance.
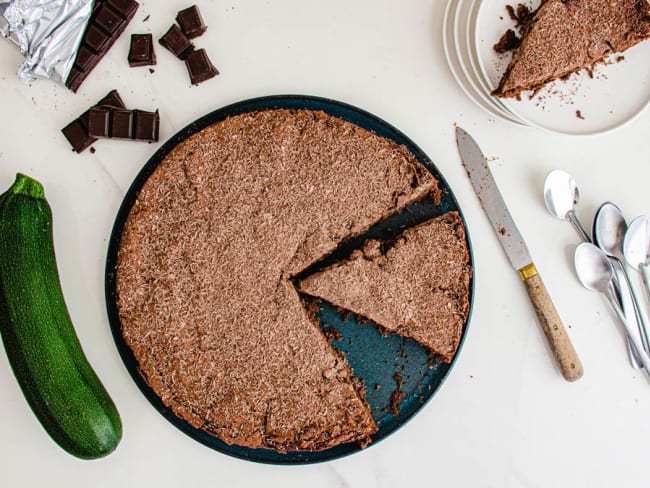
(24, 185)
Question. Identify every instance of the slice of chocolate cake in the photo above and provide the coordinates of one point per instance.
(566, 36)
(416, 286)
(206, 256)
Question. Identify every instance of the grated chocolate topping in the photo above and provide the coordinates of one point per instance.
(566, 36)
(207, 251)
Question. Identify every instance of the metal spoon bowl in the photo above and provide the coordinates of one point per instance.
(636, 245)
(609, 230)
(561, 195)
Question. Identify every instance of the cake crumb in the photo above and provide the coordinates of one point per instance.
(377, 387)
(508, 42)
(579, 115)
(93, 150)
(398, 395)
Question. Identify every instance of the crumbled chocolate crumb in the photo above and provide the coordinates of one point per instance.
(333, 335)
(579, 115)
(146, 18)
(93, 150)
(508, 42)
(377, 387)
(152, 71)
(398, 395)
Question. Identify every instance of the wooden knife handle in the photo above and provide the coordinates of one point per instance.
(556, 334)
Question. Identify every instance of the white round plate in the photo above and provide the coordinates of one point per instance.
(454, 63)
(462, 23)
(581, 105)
(467, 34)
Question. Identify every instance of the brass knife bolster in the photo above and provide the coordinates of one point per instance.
(528, 271)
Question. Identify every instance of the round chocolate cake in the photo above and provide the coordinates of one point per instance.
(204, 270)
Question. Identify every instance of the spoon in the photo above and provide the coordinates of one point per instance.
(561, 196)
(609, 232)
(636, 248)
(596, 273)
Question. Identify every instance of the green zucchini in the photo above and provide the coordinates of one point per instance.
(63, 391)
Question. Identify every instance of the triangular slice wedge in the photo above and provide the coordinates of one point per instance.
(416, 286)
(566, 36)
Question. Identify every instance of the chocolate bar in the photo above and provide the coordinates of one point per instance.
(191, 22)
(107, 22)
(141, 52)
(199, 66)
(117, 123)
(176, 42)
(77, 131)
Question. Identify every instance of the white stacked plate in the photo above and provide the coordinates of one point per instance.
(582, 105)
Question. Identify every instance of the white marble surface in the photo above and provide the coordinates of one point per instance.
(505, 417)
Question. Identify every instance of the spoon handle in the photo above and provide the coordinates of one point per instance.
(556, 334)
(645, 274)
(573, 220)
(628, 328)
(640, 319)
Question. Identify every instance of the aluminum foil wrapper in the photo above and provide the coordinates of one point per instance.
(47, 32)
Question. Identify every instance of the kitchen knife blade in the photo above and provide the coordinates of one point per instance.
(513, 243)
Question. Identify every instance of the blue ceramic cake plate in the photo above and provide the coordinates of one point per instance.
(375, 358)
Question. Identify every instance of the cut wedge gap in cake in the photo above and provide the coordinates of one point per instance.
(418, 287)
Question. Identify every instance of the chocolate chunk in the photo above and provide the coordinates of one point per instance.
(122, 126)
(141, 52)
(191, 22)
(99, 122)
(77, 131)
(147, 125)
(107, 22)
(176, 42)
(200, 67)
(114, 123)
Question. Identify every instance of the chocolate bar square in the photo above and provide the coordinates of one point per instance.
(122, 124)
(191, 22)
(99, 122)
(141, 52)
(146, 125)
(175, 41)
(108, 20)
(200, 67)
(85, 58)
(96, 39)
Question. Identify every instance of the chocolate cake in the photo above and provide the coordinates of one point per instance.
(206, 257)
(566, 36)
(416, 286)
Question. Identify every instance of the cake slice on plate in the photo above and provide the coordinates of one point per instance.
(566, 36)
(416, 286)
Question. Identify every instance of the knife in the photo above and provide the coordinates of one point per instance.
(513, 243)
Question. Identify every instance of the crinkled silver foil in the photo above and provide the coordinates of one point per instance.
(47, 32)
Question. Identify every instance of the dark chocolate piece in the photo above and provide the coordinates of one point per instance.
(77, 131)
(147, 125)
(141, 52)
(191, 22)
(107, 22)
(99, 122)
(177, 42)
(200, 67)
(114, 123)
